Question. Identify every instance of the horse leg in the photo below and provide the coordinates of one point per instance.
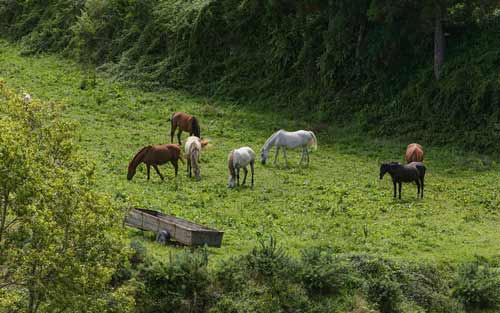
(176, 166)
(400, 184)
(245, 171)
(172, 132)
(158, 171)
(307, 154)
(251, 168)
(188, 162)
(422, 188)
(418, 188)
(301, 157)
(276, 155)
(238, 175)
(284, 156)
(148, 167)
(394, 184)
(179, 136)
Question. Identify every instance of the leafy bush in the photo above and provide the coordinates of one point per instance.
(180, 285)
(323, 273)
(478, 285)
(269, 260)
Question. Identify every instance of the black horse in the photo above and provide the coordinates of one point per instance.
(412, 172)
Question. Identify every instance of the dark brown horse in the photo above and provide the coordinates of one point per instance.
(185, 122)
(414, 153)
(413, 172)
(154, 156)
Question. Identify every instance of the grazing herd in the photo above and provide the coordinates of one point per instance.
(241, 158)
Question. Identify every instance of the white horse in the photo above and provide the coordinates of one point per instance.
(283, 139)
(240, 158)
(192, 148)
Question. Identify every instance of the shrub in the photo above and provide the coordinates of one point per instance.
(478, 285)
(180, 285)
(323, 273)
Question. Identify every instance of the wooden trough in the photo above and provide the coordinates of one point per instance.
(180, 230)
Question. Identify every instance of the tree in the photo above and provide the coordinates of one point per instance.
(60, 241)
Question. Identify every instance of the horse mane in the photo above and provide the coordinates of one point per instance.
(138, 157)
(195, 126)
(194, 156)
(271, 138)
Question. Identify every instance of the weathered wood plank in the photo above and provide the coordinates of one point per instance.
(182, 231)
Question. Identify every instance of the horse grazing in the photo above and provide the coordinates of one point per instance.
(283, 139)
(414, 153)
(193, 148)
(412, 172)
(154, 156)
(185, 122)
(240, 158)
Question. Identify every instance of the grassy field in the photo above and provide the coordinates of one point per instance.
(335, 202)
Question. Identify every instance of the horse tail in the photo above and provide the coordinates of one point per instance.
(230, 163)
(313, 141)
(195, 127)
(180, 156)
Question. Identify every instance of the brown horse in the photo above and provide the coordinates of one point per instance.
(154, 156)
(414, 153)
(185, 122)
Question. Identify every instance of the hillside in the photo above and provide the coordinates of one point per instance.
(371, 64)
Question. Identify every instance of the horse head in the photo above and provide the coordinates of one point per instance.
(387, 168)
(263, 156)
(131, 171)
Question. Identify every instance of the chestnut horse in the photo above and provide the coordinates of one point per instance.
(185, 122)
(414, 153)
(154, 156)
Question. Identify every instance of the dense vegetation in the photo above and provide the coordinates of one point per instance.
(370, 62)
(324, 238)
(344, 245)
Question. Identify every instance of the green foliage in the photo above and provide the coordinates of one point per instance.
(332, 61)
(59, 240)
(179, 285)
(478, 285)
(334, 203)
(322, 273)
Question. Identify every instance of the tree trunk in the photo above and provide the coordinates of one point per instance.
(439, 44)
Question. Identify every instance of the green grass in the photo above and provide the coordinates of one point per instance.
(335, 202)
